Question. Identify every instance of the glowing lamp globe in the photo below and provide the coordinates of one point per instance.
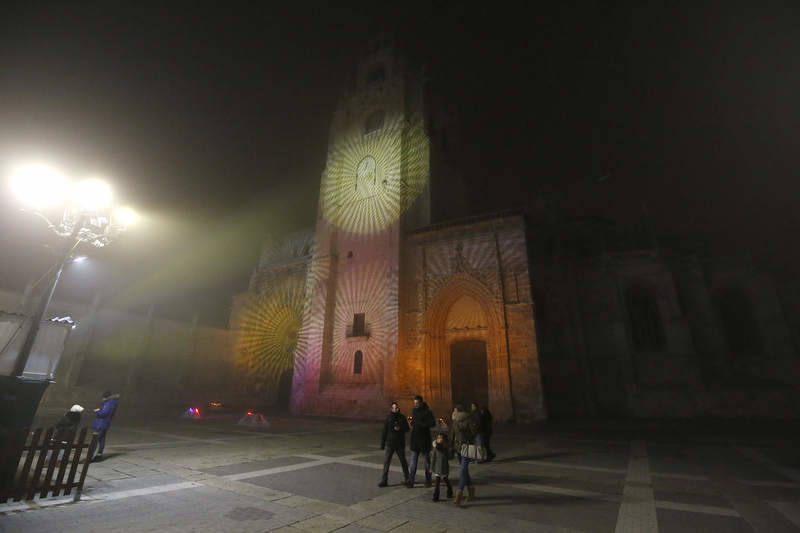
(124, 216)
(38, 186)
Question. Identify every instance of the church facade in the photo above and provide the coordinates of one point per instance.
(529, 315)
(394, 310)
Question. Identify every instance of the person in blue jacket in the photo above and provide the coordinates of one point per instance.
(102, 421)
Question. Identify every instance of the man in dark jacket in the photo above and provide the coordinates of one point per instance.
(102, 421)
(484, 429)
(393, 440)
(422, 421)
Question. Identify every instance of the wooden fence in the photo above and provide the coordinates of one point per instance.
(35, 463)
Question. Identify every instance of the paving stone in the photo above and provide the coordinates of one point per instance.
(239, 468)
(294, 501)
(579, 489)
(335, 453)
(370, 507)
(320, 524)
(690, 497)
(382, 523)
(320, 507)
(342, 484)
(350, 514)
(413, 526)
(240, 514)
(353, 528)
(670, 521)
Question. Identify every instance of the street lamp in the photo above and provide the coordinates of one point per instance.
(89, 216)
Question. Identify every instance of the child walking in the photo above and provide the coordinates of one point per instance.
(440, 464)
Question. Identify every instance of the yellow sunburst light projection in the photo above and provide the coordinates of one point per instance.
(268, 331)
(371, 179)
(268, 323)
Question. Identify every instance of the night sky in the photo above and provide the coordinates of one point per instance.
(213, 122)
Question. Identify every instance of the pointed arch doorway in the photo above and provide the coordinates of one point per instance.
(465, 310)
(469, 372)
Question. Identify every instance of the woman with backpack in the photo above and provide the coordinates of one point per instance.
(463, 432)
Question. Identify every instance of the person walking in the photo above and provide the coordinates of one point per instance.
(102, 421)
(440, 464)
(463, 431)
(484, 429)
(393, 440)
(422, 420)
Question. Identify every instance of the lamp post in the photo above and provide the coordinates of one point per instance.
(88, 217)
(41, 307)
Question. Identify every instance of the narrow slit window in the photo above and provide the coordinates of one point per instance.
(359, 325)
(358, 362)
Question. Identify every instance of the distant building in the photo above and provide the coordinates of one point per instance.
(533, 314)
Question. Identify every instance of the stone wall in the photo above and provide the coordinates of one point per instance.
(592, 365)
(485, 260)
(265, 326)
(151, 361)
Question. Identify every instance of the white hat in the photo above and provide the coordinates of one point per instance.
(76, 409)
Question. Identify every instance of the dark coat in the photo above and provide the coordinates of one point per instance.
(106, 413)
(486, 422)
(66, 425)
(440, 457)
(464, 429)
(421, 423)
(396, 438)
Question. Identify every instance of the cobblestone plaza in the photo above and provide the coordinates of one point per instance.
(320, 475)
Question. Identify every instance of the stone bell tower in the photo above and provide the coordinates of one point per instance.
(375, 185)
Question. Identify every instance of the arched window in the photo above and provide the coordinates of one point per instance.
(738, 321)
(358, 362)
(374, 122)
(647, 331)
